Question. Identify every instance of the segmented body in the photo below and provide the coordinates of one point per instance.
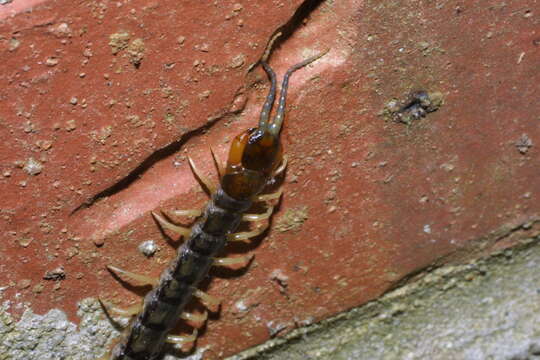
(165, 303)
(254, 159)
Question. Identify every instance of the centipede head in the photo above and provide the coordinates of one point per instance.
(256, 153)
(254, 156)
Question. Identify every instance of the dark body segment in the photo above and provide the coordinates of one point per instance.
(166, 302)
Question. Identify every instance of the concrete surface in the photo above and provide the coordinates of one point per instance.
(484, 310)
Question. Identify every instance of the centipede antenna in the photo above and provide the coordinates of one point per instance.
(275, 126)
(267, 107)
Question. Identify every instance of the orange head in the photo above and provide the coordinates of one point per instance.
(254, 156)
(256, 153)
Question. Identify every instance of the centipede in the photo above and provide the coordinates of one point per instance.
(255, 160)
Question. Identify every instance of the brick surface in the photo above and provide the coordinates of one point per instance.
(102, 102)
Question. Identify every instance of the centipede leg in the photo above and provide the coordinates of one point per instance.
(243, 236)
(181, 340)
(258, 217)
(238, 261)
(209, 187)
(128, 312)
(197, 320)
(189, 212)
(170, 226)
(282, 166)
(210, 302)
(143, 279)
(267, 197)
(217, 164)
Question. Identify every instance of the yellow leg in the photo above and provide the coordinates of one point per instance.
(282, 166)
(242, 261)
(243, 236)
(190, 212)
(211, 303)
(181, 340)
(209, 187)
(258, 217)
(267, 197)
(128, 312)
(170, 226)
(196, 320)
(143, 279)
(217, 164)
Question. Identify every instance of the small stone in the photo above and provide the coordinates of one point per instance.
(55, 274)
(148, 248)
(28, 127)
(423, 45)
(279, 276)
(181, 40)
(204, 47)
(136, 51)
(238, 61)
(62, 30)
(204, 95)
(118, 41)
(24, 283)
(51, 61)
(523, 144)
(70, 125)
(25, 241)
(44, 144)
(13, 44)
(73, 100)
(38, 288)
(33, 167)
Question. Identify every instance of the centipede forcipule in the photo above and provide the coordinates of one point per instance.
(255, 158)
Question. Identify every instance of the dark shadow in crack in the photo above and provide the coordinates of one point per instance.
(287, 29)
(152, 159)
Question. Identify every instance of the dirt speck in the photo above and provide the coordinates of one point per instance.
(14, 44)
(33, 167)
(71, 125)
(292, 219)
(24, 283)
(238, 61)
(523, 144)
(118, 41)
(25, 241)
(148, 248)
(38, 288)
(44, 144)
(136, 51)
(51, 61)
(56, 274)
